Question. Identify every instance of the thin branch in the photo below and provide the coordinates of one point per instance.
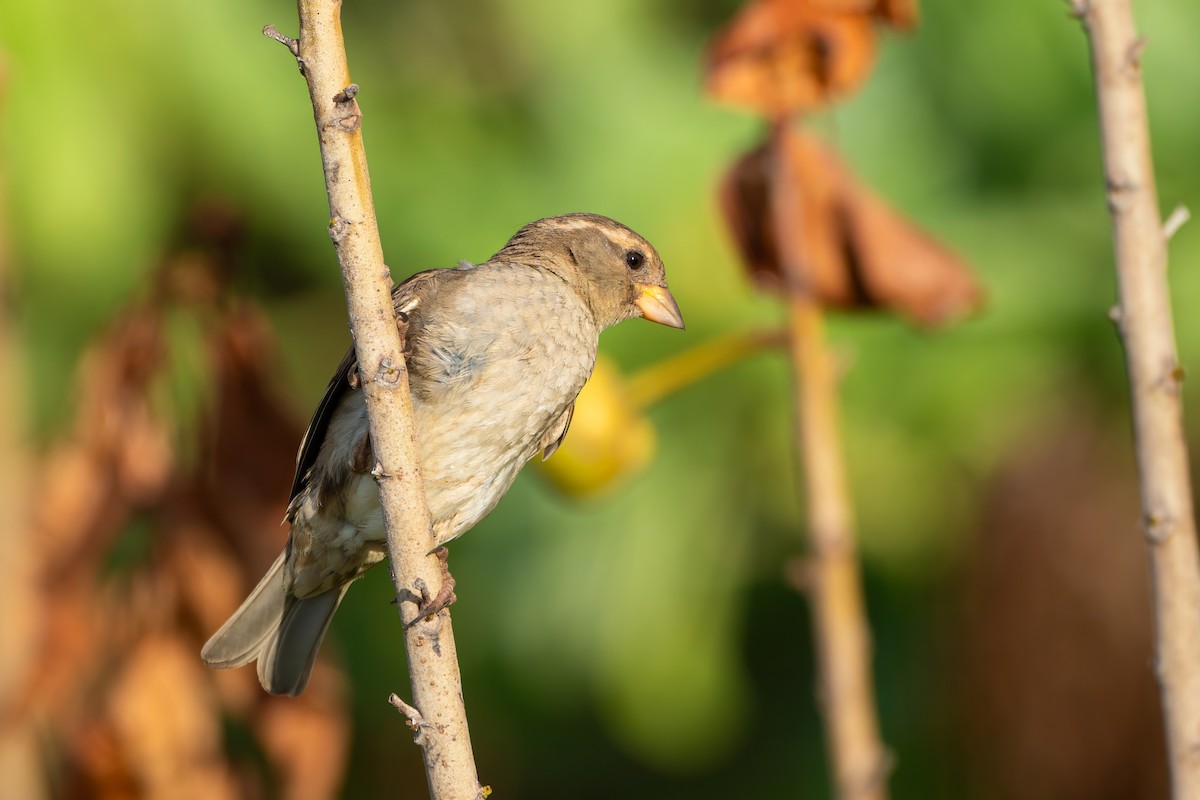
(846, 694)
(663, 378)
(432, 658)
(1154, 378)
(859, 762)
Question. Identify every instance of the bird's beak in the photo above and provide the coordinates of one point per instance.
(657, 305)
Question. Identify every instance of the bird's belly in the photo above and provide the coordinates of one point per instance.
(469, 459)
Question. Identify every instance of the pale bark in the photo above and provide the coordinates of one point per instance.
(1145, 323)
(441, 728)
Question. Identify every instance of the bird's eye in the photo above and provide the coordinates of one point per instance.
(635, 259)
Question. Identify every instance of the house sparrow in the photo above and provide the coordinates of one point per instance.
(497, 353)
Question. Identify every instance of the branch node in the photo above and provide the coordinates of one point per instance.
(1172, 377)
(1114, 316)
(388, 375)
(1120, 194)
(1133, 56)
(1079, 8)
(1175, 221)
(1159, 526)
(346, 115)
(338, 228)
(291, 44)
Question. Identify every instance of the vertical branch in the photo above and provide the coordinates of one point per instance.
(847, 698)
(439, 718)
(1154, 377)
(846, 695)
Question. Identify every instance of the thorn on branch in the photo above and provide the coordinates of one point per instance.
(291, 44)
(347, 94)
(1175, 221)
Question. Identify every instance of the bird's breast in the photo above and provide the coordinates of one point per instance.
(489, 379)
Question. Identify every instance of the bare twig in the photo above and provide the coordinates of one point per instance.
(859, 762)
(847, 697)
(291, 44)
(432, 658)
(1179, 217)
(1154, 378)
(663, 378)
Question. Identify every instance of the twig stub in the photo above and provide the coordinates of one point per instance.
(291, 44)
(1178, 218)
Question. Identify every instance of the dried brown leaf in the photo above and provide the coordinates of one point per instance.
(165, 719)
(901, 14)
(115, 679)
(902, 267)
(307, 737)
(744, 198)
(803, 222)
(779, 57)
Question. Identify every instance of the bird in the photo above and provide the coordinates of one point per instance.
(497, 353)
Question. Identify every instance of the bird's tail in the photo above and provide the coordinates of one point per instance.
(281, 631)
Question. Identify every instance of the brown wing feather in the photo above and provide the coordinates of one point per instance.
(314, 437)
(404, 298)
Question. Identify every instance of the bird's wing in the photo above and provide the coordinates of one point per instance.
(556, 433)
(405, 300)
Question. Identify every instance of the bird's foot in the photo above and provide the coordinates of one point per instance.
(445, 596)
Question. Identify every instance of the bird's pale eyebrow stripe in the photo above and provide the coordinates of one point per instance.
(575, 224)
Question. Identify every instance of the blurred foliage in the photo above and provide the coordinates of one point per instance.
(645, 643)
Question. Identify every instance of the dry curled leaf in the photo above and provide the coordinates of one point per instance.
(132, 562)
(803, 222)
(779, 57)
(899, 13)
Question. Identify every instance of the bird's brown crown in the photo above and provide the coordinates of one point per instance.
(617, 272)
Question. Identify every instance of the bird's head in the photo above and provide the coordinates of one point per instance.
(617, 272)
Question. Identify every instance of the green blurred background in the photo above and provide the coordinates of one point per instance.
(645, 644)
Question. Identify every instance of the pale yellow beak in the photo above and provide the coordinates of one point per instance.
(657, 305)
